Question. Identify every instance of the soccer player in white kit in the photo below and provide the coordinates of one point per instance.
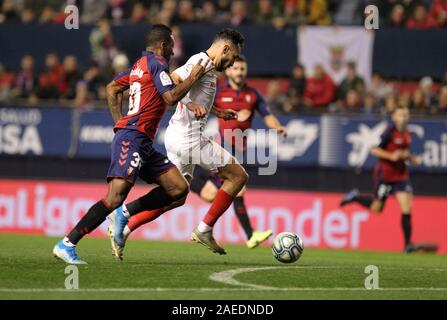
(187, 147)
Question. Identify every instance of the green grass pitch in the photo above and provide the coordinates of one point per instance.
(170, 270)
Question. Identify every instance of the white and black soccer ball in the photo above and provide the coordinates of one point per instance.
(287, 247)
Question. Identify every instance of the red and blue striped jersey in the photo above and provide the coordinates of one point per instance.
(147, 80)
(392, 140)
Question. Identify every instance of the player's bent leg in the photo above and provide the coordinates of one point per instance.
(235, 177)
(405, 200)
(174, 184)
(66, 248)
(208, 192)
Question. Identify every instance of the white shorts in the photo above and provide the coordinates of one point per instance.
(186, 153)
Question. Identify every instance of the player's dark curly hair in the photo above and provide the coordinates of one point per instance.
(231, 35)
(159, 33)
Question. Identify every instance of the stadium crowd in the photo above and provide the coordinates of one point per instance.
(279, 13)
(65, 82)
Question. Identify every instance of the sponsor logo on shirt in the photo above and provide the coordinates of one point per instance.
(165, 79)
(137, 72)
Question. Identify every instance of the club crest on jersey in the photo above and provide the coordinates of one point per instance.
(165, 79)
(248, 98)
(137, 72)
(189, 67)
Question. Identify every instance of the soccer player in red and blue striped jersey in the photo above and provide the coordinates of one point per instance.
(151, 89)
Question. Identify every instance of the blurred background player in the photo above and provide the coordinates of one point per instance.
(150, 90)
(186, 146)
(391, 173)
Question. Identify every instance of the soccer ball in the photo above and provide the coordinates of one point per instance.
(287, 247)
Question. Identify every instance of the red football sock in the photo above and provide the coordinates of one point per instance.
(144, 217)
(220, 204)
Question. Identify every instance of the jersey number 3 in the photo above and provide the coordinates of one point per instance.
(134, 98)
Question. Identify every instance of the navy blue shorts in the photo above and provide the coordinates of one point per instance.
(384, 189)
(133, 155)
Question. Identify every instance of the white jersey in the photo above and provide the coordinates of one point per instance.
(202, 92)
(185, 145)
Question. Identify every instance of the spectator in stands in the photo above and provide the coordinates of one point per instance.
(315, 11)
(442, 100)
(6, 83)
(417, 101)
(320, 89)
(91, 87)
(207, 13)
(8, 11)
(139, 13)
(50, 78)
(274, 97)
(297, 86)
(352, 82)
(353, 100)
(426, 86)
(166, 13)
(420, 18)
(379, 88)
(25, 81)
(185, 12)
(397, 16)
(93, 10)
(264, 13)
(289, 17)
(438, 13)
(390, 104)
(369, 103)
(223, 10)
(102, 44)
(70, 78)
(27, 16)
(238, 13)
(48, 15)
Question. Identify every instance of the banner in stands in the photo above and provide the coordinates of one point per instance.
(35, 131)
(334, 47)
(53, 208)
(95, 134)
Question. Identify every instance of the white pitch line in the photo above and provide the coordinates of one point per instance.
(60, 290)
(227, 277)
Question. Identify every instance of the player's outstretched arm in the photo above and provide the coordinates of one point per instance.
(178, 92)
(272, 122)
(115, 100)
(383, 154)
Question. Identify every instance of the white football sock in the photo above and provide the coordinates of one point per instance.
(67, 242)
(203, 227)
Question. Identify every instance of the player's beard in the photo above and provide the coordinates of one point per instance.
(238, 80)
(224, 64)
